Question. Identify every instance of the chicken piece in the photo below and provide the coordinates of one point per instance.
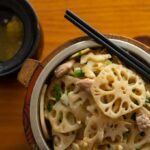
(142, 120)
(64, 68)
(85, 84)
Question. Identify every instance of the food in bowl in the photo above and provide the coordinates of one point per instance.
(93, 101)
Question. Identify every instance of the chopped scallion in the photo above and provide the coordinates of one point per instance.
(108, 62)
(57, 92)
(79, 54)
(125, 135)
(49, 107)
(147, 101)
(78, 73)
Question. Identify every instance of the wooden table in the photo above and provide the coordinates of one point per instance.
(126, 17)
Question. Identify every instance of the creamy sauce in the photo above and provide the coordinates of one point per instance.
(11, 37)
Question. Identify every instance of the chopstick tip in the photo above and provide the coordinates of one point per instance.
(67, 11)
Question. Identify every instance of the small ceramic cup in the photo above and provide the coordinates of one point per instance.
(35, 77)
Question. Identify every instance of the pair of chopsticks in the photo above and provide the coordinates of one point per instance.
(132, 61)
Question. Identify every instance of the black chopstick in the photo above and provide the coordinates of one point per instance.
(121, 53)
(108, 42)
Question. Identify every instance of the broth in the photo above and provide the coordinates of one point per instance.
(11, 37)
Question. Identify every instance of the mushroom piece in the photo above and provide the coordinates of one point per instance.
(142, 120)
(64, 68)
(85, 84)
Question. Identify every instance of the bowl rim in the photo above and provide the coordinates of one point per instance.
(56, 58)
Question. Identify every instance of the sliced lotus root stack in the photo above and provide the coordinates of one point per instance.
(78, 102)
(93, 131)
(62, 141)
(62, 119)
(67, 84)
(112, 129)
(115, 130)
(136, 139)
(118, 91)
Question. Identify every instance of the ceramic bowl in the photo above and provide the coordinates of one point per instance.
(35, 77)
(24, 11)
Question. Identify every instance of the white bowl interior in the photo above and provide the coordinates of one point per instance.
(34, 106)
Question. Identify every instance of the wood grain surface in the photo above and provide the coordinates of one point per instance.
(125, 17)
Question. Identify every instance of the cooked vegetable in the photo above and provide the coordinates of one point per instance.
(80, 53)
(147, 101)
(108, 62)
(78, 73)
(57, 92)
(49, 106)
(125, 135)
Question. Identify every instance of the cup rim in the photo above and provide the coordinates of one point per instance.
(59, 55)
